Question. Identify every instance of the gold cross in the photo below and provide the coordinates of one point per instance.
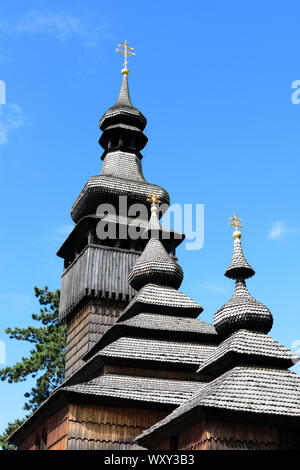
(125, 50)
(153, 199)
(235, 221)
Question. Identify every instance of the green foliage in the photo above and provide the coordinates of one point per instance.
(11, 427)
(45, 361)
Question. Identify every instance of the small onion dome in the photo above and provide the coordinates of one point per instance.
(239, 268)
(155, 265)
(242, 311)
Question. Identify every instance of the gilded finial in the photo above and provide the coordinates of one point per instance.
(154, 201)
(126, 51)
(235, 222)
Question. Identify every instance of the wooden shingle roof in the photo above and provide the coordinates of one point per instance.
(149, 350)
(258, 390)
(137, 388)
(248, 347)
(161, 299)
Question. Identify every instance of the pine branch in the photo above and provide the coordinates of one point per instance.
(45, 361)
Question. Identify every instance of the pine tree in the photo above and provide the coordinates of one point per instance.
(45, 361)
(10, 428)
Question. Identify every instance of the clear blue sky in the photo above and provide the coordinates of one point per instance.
(214, 80)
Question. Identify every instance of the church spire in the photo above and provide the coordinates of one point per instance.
(122, 140)
(242, 310)
(123, 111)
(123, 124)
(124, 95)
(239, 268)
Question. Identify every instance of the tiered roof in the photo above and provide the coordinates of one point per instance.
(163, 336)
(257, 390)
(142, 389)
(158, 327)
(247, 347)
(240, 368)
(150, 351)
(120, 184)
(249, 366)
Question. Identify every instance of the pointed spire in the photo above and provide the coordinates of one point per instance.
(239, 268)
(122, 140)
(124, 95)
(242, 310)
(123, 110)
(155, 265)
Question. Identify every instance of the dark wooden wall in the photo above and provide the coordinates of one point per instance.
(81, 427)
(159, 373)
(103, 427)
(86, 327)
(222, 435)
(98, 271)
(56, 429)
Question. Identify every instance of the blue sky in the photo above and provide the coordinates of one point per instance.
(214, 81)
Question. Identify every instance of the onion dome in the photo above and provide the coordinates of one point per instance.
(155, 265)
(242, 311)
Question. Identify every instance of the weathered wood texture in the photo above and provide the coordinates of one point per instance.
(86, 326)
(100, 272)
(159, 373)
(110, 428)
(82, 426)
(289, 439)
(166, 444)
(223, 435)
(56, 430)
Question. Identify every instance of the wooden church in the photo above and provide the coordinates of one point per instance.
(141, 370)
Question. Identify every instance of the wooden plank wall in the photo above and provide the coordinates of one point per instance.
(102, 427)
(226, 435)
(81, 427)
(56, 429)
(193, 438)
(158, 373)
(99, 272)
(289, 439)
(166, 444)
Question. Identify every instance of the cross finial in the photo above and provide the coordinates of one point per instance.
(235, 222)
(126, 51)
(154, 200)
